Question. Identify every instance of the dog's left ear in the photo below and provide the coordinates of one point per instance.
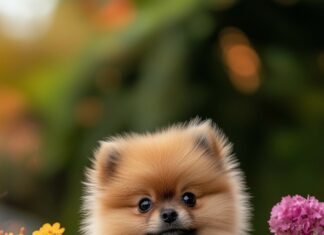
(106, 161)
(210, 138)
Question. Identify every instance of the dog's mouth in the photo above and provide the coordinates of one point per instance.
(175, 232)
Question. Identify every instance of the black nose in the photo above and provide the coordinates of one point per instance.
(168, 215)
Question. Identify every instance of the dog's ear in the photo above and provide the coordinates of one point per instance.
(209, 138)
(107, 158)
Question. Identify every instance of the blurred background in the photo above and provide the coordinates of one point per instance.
(73, 72)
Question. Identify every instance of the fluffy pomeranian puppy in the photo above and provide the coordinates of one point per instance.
(181, 180)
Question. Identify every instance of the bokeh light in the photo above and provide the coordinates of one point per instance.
(241, 59)
(26, 19)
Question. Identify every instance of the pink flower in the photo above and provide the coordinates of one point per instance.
(297, 216)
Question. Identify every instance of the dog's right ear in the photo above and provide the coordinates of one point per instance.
(107, 158)
(211, 139)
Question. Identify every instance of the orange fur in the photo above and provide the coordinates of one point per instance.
(193, 157)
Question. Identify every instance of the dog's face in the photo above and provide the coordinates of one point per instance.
(174, 182)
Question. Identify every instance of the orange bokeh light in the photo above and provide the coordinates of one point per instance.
(241, 59)
(89, 111)
(12, 106)
(20, 135)
(115, 14)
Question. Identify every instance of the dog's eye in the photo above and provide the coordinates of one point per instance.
(144, 205)
(189, 199)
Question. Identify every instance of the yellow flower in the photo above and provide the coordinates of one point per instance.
(48, 229)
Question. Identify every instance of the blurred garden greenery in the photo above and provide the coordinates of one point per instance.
(73, 72)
